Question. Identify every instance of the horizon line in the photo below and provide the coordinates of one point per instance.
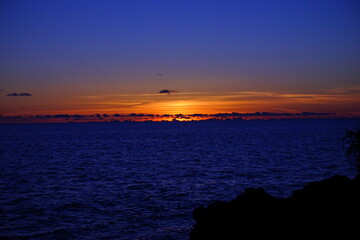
(143, 117)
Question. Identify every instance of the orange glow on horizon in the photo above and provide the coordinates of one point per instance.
(341, 101)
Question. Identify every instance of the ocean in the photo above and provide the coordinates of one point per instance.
(143, 180)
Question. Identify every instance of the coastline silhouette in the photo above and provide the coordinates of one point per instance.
(327, 209)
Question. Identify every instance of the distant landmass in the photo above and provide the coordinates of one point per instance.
(142, 117)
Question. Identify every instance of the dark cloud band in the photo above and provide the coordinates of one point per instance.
(18, 94)
(167, 91)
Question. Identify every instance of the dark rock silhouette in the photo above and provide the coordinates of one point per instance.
(352, 143)
(328, 209)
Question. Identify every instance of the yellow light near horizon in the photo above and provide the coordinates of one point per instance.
(180, 104)
(183, 107)
(174, 107)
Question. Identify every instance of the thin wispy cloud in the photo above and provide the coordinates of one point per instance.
(353, 90)
(188, 102)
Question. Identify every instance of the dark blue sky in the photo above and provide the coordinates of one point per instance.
(108, 47)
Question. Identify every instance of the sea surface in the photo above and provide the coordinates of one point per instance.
(143, 180)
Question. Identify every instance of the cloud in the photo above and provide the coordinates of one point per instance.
(167, 91)
(197, 116)
(18, 94)
(268, 114)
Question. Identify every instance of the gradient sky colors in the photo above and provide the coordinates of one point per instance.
(86, 57)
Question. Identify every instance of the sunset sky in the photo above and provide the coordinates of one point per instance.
(86, 57)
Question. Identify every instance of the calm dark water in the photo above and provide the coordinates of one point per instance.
(142, 180)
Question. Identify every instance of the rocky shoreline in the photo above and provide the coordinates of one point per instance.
(327, 209)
